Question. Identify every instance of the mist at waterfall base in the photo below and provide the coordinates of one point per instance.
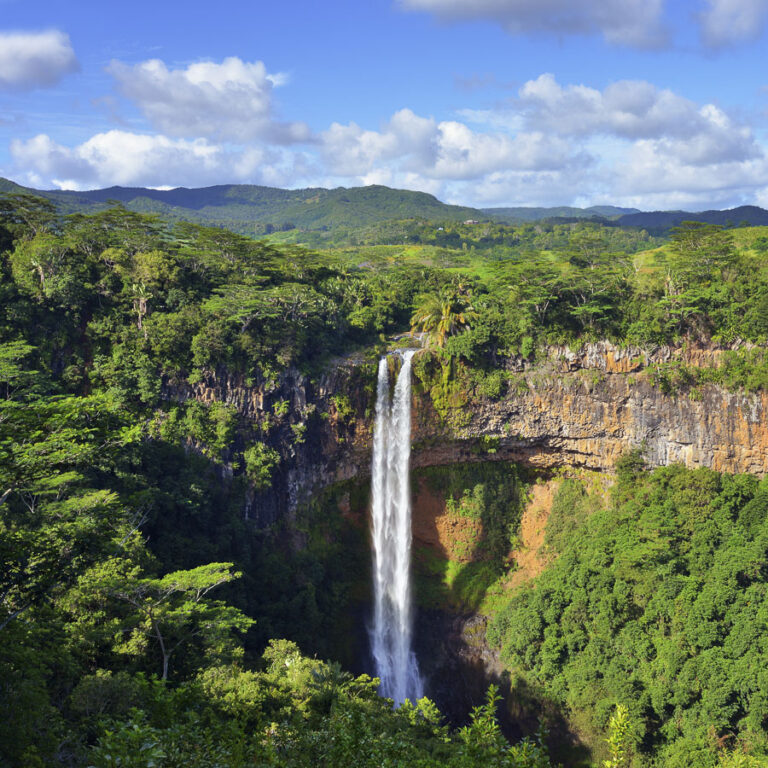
(392, 627)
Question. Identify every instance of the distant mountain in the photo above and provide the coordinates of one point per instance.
(247, 208)
(253, 209)
(517, 215)
(661, 221)
(6, 185)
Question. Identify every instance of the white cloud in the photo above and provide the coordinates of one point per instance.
(629, 143)
(524, 188)
(629, 108)
(351, 151)
(123, 158)
(728, 22)
(34, 59)
(632, 109)
(465, 154)
(227, 101)
(655, 176)
(636, 110)
(448, 150)
(655, 147)
(408, 139)
(624, 22)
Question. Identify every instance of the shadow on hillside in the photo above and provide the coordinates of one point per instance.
(465, 519)
(458, 667)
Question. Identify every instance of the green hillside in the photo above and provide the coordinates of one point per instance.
(256, 210)
(250, 209)
(6, 185)
(515, 215)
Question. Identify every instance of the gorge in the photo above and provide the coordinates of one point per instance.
(184, 410)
(570, 411)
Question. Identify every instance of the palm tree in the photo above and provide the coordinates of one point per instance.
(443, 314)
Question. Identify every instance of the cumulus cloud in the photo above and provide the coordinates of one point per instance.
(652, 147)
(34, 59)
(447, 150)
(630, 143)
(655, 175)
(630, 109)
(349, 150)
(728, 22)
(466, 154)
(124, 158)
(230, 101)
(624, 22)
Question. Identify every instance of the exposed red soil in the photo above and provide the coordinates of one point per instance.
(529, 556)
(450, 535)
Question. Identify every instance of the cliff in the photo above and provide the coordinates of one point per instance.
(586, 408)
(570, 408)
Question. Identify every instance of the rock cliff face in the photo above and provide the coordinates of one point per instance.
(587, 408)
(322, 428)
(573, 408)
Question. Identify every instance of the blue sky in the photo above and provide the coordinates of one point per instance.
(645, 103)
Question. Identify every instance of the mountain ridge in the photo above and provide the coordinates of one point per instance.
(254, 209)
(665, 220)
(533, 213)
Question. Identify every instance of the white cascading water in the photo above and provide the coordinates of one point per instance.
(393, 656)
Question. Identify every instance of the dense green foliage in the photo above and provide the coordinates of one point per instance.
(126, 300)
(137, 597)
(706, 285)
(257, 308)
(457, 240)
(658, 604)
(297, 713)
(745, 369)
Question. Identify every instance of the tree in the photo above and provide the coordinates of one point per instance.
(27, 215)
(260, 462)
(443, 314)
(173, 609)
(44, 268)
(536, 287)
(52, 515)
(703, 260)
(618, 738)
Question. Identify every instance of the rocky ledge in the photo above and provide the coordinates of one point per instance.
(582, 407)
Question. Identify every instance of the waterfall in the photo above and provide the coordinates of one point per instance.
(395, 661)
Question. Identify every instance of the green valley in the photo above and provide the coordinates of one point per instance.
(186, 426)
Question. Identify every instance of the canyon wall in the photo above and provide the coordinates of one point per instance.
(586, 408)
(570, 408)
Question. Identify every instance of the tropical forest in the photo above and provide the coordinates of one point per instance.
(188, 439)
(384, 384)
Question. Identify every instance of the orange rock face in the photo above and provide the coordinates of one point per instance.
(450, 535)
(580, 408)
(590, 409)
(529, 556)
